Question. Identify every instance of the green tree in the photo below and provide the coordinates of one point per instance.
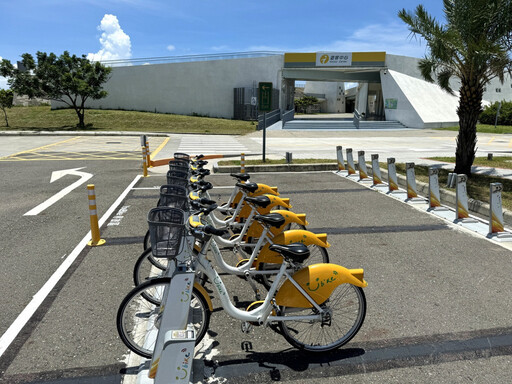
(6, 98)
(304, 102)
(472, 46)
(69, 79)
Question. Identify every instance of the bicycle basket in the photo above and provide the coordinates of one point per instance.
(173, 196)
(182, 182)
(179, 174)
(166, 230)
(181, 156)
(178, 168)
(180, 163)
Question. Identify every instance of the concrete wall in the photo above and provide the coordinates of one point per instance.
(419, 104)
(334, 94)
(204, 87)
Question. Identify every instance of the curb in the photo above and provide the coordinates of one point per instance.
(277, 168)
(79, 133)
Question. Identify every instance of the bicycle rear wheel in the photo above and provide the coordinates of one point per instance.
(138, 319)
(346, 309)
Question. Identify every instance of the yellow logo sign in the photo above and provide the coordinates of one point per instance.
(324, 59)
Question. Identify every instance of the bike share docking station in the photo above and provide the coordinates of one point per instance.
(493, 229)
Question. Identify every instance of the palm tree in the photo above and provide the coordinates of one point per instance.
(472, 46)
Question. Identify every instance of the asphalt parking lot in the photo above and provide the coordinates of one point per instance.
(438, 298)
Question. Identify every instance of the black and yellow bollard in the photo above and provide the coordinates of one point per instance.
(144, 162)
(93, 215)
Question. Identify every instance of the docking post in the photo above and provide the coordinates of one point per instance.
(392, 180)
(411, 181)
(363, 171)
(339, 156)
(350, 163)
(93, 215)
(377, 178)
(434, 197)
(461, 196)
(496, 223)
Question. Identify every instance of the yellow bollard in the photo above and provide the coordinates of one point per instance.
(95, 230)
(242, 163)
(148, 159)
(144, 162)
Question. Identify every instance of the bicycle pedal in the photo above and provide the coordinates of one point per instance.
(246, 327)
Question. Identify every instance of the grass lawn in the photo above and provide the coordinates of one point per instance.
(483, 128)
(496, 162)
(477, 185)
(43, 118)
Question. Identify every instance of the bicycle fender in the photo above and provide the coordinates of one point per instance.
(256, 228)
(205, 294)
(318, 281)
(262, 189)
(288, 237)
(274, 202)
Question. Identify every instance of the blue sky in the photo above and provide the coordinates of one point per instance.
(123, 29)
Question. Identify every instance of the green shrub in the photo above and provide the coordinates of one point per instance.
(488, 115)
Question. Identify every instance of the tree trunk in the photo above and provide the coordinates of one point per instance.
(81, 114)
(5, 115)
(470, 107)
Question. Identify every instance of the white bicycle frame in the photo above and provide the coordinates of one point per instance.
(262, 314)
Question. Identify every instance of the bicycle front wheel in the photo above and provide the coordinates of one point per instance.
(346, 310)
(146, 269)
(138, 319)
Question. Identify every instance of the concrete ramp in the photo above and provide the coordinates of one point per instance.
(314, 124)
(419, 104)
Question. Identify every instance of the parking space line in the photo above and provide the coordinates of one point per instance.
(160, 147)
(25, 315)
(44, 146)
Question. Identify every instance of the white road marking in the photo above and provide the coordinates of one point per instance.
(25, 315)
(84, 176)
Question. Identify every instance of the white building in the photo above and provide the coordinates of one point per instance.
(390, 87)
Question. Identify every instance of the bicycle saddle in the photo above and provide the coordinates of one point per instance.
(250, 187)
(272, 219)
(260, 201)
(241, 176)
(297, 252)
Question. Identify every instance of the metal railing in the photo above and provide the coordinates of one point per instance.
(189, 58)
(288, 116)
(268, 118)
(357, 118)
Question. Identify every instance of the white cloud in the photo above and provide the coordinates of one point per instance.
(220, 48)
(393, 38)
(171, 47)
(115, 44)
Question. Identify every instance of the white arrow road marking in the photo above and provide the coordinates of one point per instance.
(56, 175)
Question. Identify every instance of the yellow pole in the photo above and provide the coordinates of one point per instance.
(144, 162)
(242, 163)
(95, 230)
(148, 160)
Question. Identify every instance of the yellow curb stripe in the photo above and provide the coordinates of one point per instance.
(45, 146)
(160, 147)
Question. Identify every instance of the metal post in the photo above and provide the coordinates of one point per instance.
(264, 133)
(361, 162)
(242, 163)
(350, 162)
(144, 162)
(461, 196)
(148, 159)
(93, 215)
(411, 181)
(496, 223)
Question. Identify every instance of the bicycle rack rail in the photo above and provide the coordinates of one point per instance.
(175, 340)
